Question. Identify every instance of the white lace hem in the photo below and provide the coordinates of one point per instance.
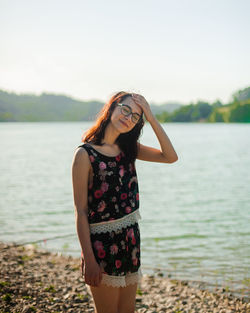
(114, 225)
(122, 281)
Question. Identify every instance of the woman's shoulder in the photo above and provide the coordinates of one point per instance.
(83, 147)
(81, 156)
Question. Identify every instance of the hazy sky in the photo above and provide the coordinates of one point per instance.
(182, 50)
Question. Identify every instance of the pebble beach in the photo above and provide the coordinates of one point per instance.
(36, 280)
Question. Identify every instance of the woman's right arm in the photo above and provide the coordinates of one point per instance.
(80, 172)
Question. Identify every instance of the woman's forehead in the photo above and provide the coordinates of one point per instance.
(135, 107)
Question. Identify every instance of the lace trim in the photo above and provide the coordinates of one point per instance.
(122, 281)
(114, 225)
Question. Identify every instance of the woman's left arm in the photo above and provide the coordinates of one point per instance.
(167, 153)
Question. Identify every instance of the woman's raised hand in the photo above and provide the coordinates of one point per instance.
(142, 102)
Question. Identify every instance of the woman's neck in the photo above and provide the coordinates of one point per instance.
(110, 136)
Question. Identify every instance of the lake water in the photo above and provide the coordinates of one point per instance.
(195, 212)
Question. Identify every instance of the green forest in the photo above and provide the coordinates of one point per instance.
(237, 111)
(52, 107)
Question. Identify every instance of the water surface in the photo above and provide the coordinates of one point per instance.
(195, 212)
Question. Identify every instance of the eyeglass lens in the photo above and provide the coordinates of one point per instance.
(126, 110)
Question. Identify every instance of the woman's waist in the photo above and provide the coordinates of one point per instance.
(115, 223)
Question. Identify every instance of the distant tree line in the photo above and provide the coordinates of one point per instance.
(46, 107)
(238, 110)
(51, 107)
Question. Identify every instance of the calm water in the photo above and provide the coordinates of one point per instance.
(195, 212)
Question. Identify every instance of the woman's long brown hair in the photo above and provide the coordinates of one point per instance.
(127, 142)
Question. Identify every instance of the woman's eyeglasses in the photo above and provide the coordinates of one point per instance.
(126, 110)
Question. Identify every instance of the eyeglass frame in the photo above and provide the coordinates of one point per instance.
(131, 112)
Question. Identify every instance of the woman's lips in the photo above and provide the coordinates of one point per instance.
(123, 123)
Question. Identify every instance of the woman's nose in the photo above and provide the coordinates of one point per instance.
(129, 118)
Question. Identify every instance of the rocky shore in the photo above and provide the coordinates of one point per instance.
(39, 281)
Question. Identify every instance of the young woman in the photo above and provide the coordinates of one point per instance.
(106, 199)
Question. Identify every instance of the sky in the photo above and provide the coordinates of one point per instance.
(182, 51)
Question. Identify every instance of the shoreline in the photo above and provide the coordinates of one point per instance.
(36, 280)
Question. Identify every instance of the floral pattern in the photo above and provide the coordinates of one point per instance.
(113, 194)
(117, 252)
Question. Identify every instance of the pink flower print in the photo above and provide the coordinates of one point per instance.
(92, 213)
(135, 261)
(123, 204)
(92, 159)
(114, 199)
(117, 188)
(137, 196)
(104, 186)
(118, 263)
(101, 206)
(102, 166)
(129, 232)
(128, 209)
(111, 218)
(98, 193)
(114, 249)
(118, 157)
(101, 253)
(121, 172)
(123, 196)
(98, 245)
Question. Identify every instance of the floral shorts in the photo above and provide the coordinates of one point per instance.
(117, 252)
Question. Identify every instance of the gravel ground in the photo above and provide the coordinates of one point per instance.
(40, 281)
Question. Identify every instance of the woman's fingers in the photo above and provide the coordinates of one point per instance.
(91, 282)
(97, 279)
(93, 278)
(140, 100)
(135, 97)
(94, 281)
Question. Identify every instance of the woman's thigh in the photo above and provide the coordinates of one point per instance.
(127, 299)
(105, 298)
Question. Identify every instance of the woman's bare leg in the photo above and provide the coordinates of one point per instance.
(105, 298)
(127, 298)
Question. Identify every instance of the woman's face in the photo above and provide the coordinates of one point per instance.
(122, 122)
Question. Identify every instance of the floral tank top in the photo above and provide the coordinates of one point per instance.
(113, 196)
